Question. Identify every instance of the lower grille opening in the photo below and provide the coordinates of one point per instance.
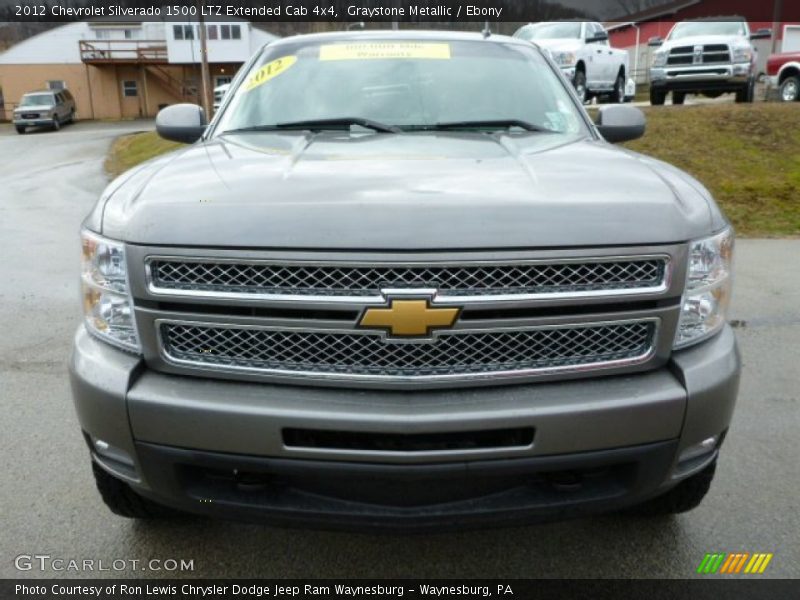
(402, 442)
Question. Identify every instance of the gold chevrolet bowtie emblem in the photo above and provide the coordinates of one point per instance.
(408, 318)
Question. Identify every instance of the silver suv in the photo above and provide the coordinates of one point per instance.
(371, 292)
(49, 108)
(708, 57)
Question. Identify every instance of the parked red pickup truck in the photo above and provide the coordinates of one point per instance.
(784, 73)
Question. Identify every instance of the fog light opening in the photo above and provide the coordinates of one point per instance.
(705, 447)
(106, 450)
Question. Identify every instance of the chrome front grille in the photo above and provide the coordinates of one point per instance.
(459, 353)
(699, 55)
(181, 276)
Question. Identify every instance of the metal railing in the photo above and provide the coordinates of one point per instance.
(123, 51)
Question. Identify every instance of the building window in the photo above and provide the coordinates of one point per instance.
(222, 80)
(183, 32)
(130, 89)
(230, 32)
(56, 84)
(212, 32)
(130, 34)
(102, 34)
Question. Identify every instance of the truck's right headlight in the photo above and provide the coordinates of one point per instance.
(107, 305)
(660, 58)
(708, 288)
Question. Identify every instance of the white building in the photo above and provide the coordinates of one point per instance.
(123, 69)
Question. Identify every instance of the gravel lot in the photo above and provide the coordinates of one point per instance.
(48, 182)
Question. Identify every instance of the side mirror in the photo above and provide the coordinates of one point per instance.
(181, 123)
(619, 123)
(761, 34)
(655, 42)
(597, 37)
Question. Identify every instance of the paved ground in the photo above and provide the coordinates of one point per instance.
(48, 505)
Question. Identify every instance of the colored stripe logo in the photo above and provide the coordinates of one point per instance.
(734, 563)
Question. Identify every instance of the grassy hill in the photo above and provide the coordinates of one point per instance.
(747, 155)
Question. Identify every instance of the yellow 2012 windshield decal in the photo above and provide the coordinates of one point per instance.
(384, 50)
(269, 71)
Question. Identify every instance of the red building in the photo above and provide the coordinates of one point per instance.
(634, 33)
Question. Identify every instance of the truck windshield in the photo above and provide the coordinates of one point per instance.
(396, 85)
(551, 31)
(37, 100)
(689, 29)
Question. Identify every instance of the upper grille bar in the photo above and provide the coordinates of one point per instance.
(469, 281)
(710, 53)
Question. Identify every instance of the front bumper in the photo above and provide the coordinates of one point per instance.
(700, 78)
(40, 122)
(569, 72)
(217, 447)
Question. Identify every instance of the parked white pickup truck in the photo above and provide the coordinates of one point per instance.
(708, 57)
(582, 51)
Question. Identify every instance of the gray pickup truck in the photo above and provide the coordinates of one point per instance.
(403, 280)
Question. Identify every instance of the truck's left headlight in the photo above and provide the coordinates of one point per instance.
(564, 59)
(742, 54)
(107, 304)
(708, 289)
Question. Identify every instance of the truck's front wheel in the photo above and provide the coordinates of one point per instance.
(580, 86)
(619, 89)
(657, 97)
(746, 93)
(123, 501)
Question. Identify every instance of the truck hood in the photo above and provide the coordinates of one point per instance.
(408, 191)
(699, 40)
(37, 108)
(560, 44)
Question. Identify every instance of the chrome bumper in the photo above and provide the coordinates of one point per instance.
(736, 73)
(32, 122)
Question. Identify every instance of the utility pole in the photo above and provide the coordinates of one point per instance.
(776, 23)
(204, 62)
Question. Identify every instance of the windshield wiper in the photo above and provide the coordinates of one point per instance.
(320, 124)
(488, 124)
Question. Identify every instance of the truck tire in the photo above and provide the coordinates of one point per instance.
(618, 95)
(746, 93)
(790, 89)
(56, 123)
(685, 496)
(657, 97)
(20, 129)
(678, 97)
(123, 501)
(580, 86)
